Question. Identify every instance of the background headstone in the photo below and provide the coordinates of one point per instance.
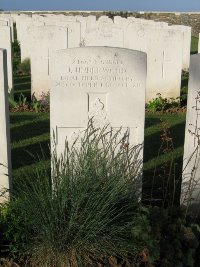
(191, 159)
(5, 43)
(5, 149)
(45, 40)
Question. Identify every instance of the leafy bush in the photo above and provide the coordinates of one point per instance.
(85, 213)
(179, 239)
(162, 104)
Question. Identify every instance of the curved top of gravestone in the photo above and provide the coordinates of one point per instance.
(101, 48)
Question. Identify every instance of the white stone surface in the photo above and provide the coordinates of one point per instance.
(73, 30)
(167, 47)
(105, 83)
(23, 23)
(5, 151)
(186, 33)
(10, 22)
(164, 56)
(3, 23)
(104, 32)
(44, 40)
(191, 166)
(5, 43)
(162, 43)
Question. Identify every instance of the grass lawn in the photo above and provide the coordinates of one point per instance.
(30, 134)
(194, 45)
(30, 143)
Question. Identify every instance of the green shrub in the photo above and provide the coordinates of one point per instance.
(86, 211)
(162, 104)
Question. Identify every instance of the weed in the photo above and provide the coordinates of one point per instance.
(162, 104)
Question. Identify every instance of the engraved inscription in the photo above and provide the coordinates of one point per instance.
(125, 135)
(70, 134)
(98, 113)
(97, 73)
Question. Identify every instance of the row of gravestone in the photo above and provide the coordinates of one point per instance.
(108, 85)
(167, 47)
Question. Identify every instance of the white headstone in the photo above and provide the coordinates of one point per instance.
(107, 84)
(5, 43)
(44, 41)
(104, 32)
(164, 56)
(5, 150)
(191, 159)
(162, 43)
(24, 23)
(186, 34)
(9, 21)
(3, 23)
(73, 30)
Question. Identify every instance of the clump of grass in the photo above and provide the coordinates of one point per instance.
(86, 211)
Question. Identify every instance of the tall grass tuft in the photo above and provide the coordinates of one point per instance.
(86, 211)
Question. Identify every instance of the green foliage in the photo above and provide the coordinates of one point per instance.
(45, 101)
(22, 100)
(184, 87)
(142, 234)
(16, 56)
(86, 210)
(15, 229)
(11, 100)
(21, 104)
(179, 240)
(35, 104)
(162, 104)
(194, 45)
(43, 104)
(25, 67)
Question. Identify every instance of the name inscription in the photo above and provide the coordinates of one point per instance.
(93, 73)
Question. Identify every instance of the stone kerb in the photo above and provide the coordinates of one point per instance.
(5, 43)
(5, 149)
(191, 160)
(107, 84)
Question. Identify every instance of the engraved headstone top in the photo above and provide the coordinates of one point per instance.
(106, 84)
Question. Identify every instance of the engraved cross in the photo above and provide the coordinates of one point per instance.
(164, 61)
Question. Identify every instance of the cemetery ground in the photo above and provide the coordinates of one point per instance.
(160, 234)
